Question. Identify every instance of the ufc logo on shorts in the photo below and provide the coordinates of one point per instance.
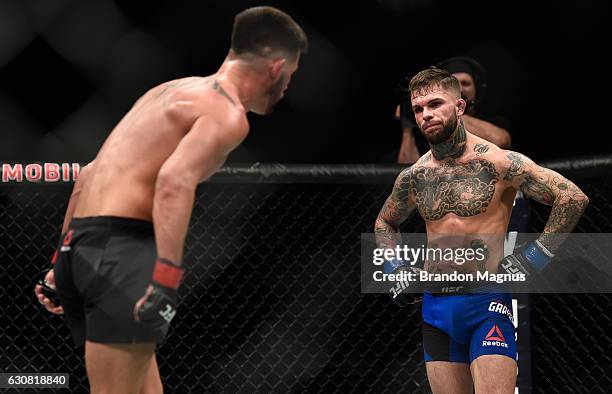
(168, 314)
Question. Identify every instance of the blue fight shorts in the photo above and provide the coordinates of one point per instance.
(461, 328)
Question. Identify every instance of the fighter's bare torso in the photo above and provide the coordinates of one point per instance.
(465, 202)
(121, 181)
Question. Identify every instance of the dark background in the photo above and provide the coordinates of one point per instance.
(70, 69)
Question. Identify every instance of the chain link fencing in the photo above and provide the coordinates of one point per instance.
(272, 301)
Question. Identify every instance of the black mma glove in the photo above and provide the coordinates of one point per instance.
(157, 307)
(47, 289)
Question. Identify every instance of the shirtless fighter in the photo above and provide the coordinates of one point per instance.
(464, 186)
(119, 264)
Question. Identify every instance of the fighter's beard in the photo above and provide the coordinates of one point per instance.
(453, 147)
(274, 94)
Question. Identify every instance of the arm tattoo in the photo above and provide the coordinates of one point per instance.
(516, 163)
(395, 210)
(567, 209)
(549, 188)
(534, 184)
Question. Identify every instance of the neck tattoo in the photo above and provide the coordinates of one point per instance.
(453, 147)
(217, 87)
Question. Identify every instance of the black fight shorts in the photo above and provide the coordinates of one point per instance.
(104, 266)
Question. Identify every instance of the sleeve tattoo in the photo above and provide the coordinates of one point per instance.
(550, 188)
(396, 209)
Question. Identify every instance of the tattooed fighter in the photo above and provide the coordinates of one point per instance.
(464, 186)
(119, 265)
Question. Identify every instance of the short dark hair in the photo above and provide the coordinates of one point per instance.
(259, 27)
(431, 77)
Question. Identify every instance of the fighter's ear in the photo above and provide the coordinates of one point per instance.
(461, 105)
(277, 67)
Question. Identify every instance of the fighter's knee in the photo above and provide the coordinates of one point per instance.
(494, 374)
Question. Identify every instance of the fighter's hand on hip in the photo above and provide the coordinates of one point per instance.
(404, 292)
(529, 261)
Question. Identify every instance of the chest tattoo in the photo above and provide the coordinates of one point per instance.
(465, 189)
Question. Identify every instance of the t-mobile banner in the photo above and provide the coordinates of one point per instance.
(39, 172)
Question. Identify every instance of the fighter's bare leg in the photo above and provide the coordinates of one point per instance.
(117, 368)
(152, 382)
(494, 374)
(446, 377)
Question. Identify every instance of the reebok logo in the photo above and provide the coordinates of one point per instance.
(495, 334)
(495, 338)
